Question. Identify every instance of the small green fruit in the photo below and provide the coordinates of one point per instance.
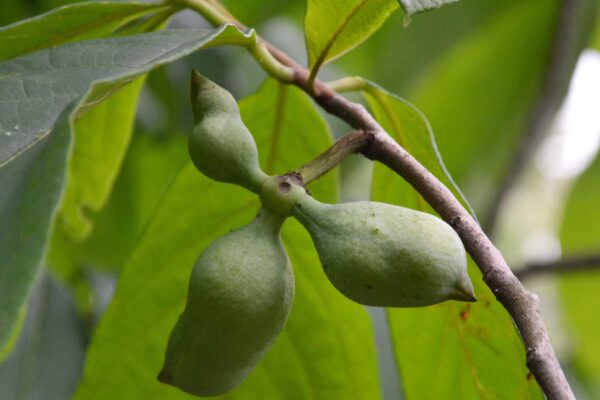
(382, 255)
(221, 146)
(240, 295)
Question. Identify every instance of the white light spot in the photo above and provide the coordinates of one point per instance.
(8, 133)
(16, 127)
(541, 246)
(576, 131)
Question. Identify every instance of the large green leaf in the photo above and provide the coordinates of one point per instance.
(70, 23)
(34, 90)
(36, 87)
(326, 348)
(101, 139)
(31, 186)
(335, 27)
(152, 163)
(580, 234)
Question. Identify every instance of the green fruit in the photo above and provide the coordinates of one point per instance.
(382, 255)
(239, 297)
(220, 145)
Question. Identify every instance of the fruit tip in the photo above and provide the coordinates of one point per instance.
(197, 76)
(198, 82)
(464, 291)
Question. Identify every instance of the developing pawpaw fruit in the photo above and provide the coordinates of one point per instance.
(221, 147)
(239, 297)
(389, 256)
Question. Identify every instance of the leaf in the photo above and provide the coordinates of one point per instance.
(333, 28)
(152, 163)
(34, 90)
(470, 350)
(70, 23)
(416, 6)
(326, 348)
(102, 137)
(46, 363)
(31, 185)
(580, 234)
(409, 127)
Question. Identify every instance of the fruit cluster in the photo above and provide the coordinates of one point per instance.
(242, 286)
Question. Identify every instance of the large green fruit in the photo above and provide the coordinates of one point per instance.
(220, 145)
(240, 295)
(382, 255)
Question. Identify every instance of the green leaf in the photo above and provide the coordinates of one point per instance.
(470, 350)
(580, 234)
(36, 87)
(71, 23)
(31, 186)
(326, 348)
(416, 6)
(152, 163)
(34, 90)
(102, 136)
(409, 127)
(333, 28)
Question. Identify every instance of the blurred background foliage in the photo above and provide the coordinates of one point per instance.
(475, 70)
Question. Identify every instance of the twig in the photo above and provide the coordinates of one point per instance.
(522, 305)
(350, 143)
(565, 265)
(556, 82)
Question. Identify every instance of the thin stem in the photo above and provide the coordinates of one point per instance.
(351, 143)
(565, 265)
(522, 305)
(216, 15)
(349, 84)
(270, 64)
